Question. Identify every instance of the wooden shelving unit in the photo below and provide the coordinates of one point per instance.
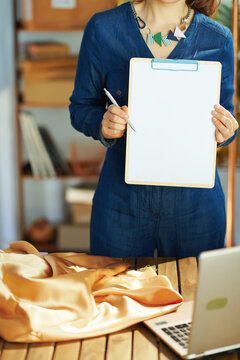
(22, 105)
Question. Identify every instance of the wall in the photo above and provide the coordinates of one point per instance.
(8, 202)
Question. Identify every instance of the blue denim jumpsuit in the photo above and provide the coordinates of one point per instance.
(133, 220)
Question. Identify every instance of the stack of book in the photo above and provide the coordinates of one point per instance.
(49, 81)
(47, 50)
(44, 156)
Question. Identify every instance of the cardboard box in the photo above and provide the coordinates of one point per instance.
(62, 14)
(48, 82)
(73, 237)
(81, 213)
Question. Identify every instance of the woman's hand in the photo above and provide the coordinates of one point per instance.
(114, 122)
(224, 122)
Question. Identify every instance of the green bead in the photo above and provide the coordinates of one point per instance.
(158, 38)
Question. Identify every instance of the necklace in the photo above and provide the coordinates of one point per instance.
(159, 38)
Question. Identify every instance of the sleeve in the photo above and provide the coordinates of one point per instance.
(88, 102)
(227, 83)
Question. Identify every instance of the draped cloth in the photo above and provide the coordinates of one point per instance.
(66, 296)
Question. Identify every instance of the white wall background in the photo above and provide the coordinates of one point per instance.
(8, 202)
(42, 198)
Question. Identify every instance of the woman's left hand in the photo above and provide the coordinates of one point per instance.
(224, 122)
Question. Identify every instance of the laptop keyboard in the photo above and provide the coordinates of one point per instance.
(179, 333)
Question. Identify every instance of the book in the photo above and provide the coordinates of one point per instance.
(82, 194)
(60, 166)
(31, 150)
(36, 163)
(40, 161)
(47, 162)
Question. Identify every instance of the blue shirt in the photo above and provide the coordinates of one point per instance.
(112, 38)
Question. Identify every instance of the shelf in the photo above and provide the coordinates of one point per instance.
(23, 105)
(70, 60)
(21, 28)
(93, 178)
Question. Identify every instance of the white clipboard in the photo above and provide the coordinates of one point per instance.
(170, 104)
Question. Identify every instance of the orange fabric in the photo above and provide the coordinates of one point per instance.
(67, 296)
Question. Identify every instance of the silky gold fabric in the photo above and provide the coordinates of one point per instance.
(67, 296)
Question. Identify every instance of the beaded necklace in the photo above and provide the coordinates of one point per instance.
(159, 38)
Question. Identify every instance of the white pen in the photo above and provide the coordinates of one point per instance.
(111, 98)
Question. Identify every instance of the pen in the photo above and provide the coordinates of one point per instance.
(111, 98)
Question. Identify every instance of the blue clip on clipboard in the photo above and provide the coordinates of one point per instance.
(174, 65)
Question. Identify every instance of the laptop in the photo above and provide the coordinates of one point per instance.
(210, 324)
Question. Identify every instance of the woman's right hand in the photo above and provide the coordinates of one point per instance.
(114, 122)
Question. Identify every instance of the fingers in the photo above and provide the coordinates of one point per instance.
(113, 119)
(114, 122)
(224, 122)
(111, 134)
(219, 137)
(223, 132)
(221, 110)
(224, 125)
(118, 114)
(125, 109)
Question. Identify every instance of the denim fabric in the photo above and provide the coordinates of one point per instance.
(131, 220)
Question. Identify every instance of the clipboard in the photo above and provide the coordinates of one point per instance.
(170, 104)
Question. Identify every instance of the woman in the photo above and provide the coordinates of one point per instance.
(133, 220)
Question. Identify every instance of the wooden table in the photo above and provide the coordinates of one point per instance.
(134, 343)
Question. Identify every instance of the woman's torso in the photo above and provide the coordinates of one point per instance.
(120, 40)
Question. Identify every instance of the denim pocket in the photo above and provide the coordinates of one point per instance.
(117, 84)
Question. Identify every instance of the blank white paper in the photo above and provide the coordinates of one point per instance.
(174, 143)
